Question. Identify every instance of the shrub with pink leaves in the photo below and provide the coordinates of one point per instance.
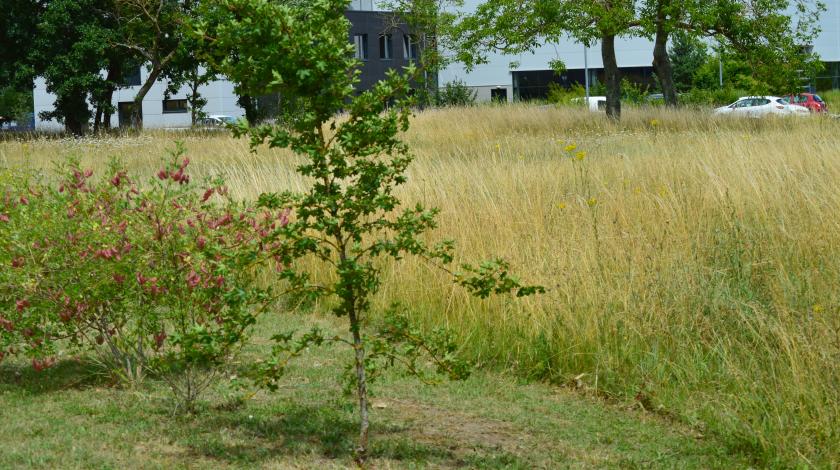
(157, 275)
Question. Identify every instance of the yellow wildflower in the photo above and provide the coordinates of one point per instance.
(580, 156)
(592, 202)
(562, 205)
(571, 147)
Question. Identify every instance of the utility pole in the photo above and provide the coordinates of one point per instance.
(586, 73)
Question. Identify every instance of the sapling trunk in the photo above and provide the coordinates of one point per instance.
(352, 310)
(361, 387)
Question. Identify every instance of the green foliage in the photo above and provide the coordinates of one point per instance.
(350, 217)
(69, 52)
(18, 25)
(632, 92)
(573, 95)
(716, 96)
(456, 93)
(15, 105)
(687, 54)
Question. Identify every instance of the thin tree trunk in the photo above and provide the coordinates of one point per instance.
(194, 97)
(98, 119)
(361, 388)
(662, 62)
(611, 76)
(361, 378)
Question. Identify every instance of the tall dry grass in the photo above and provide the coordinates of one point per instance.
(692, 263)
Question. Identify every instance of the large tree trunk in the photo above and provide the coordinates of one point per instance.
(246, 102)
(137, 112)
(74, 125)
(662, 62)
(98, 120)
(74, 110)
(611, 76)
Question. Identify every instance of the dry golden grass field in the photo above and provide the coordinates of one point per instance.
(692, 263)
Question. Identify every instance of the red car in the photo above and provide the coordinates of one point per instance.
(809, 100)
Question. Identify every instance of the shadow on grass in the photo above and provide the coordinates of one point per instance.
(65, 375)
(300, 432)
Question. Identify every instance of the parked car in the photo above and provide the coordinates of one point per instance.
(812, 101)
(596, 103)
(218, 120)
(760, 106)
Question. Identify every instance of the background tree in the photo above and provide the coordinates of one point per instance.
(762, 32)
(18, 26)
(69, 52)
(151, 30)
(770, 37)
(687, 55)
(188, 70)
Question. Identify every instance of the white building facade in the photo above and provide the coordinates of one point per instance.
(159, 110)
(498, 79)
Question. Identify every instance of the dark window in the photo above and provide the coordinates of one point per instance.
(410, 47)
(175, 106)
(125, 114)
(385, 47)
(499, 95)
(132, 77)
(360, 40)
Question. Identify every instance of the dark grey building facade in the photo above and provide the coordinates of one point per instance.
(382, 42)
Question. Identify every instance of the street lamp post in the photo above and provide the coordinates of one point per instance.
(586, 73)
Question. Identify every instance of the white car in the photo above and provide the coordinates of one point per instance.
(595, 103)
(220, 120)
(760, 106)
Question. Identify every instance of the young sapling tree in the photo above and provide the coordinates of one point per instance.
(349, 217)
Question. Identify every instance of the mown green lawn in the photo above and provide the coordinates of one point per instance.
(72, 417)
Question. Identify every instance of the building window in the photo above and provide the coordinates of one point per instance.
(385, 47)
(410, 47)
(131, 77)
(175, 106)
(360, 40)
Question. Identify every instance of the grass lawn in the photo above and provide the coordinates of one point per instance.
(71, 417)
(690, 261)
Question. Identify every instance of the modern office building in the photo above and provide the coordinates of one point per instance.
(382, 43)
(530, 75)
